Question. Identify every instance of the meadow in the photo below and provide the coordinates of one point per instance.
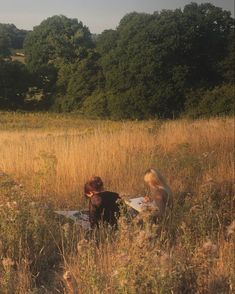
(45, 160)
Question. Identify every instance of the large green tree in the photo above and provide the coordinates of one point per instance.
(14, 77)
(57, 37)
(153, 65)
(60, 52)
(77, 81)
(152, 60)
(4, 46)
(14, 83)
(227, 67)
(11, 37)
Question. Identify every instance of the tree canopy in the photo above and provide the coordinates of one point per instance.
(57, 37)
(63, 47)
(14, 83)
(12, 36)
(165, 64)
(151, 61)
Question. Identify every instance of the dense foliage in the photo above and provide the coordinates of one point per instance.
(165, 64)
(10, 38)
(14, 83)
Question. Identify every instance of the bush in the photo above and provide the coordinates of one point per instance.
(216, 102)
(14, 83)
(96, 105)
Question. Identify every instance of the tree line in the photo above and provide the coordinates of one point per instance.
(166, 64)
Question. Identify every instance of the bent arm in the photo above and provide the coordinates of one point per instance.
(94, 205)
(160, 199)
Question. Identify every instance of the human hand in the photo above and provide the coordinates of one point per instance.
(146, 199)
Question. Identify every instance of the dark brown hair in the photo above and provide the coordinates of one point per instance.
(95, 184)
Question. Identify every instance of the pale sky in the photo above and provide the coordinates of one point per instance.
(98, 15)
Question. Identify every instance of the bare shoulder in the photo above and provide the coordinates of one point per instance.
(158, 191)
(160, 194)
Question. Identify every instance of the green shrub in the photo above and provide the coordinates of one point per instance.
(216, 102)
(96, 105)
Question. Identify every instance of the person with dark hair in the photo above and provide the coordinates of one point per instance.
(103, 205)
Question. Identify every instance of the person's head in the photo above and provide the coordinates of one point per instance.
(153, 178)
(93, 186)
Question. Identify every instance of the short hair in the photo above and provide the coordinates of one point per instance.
(95, 184)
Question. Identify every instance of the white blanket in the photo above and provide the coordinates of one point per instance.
(82, 217)
(79, 217)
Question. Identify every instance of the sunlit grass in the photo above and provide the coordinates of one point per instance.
(52, 155)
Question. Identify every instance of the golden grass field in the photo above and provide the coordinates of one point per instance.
(53, 155)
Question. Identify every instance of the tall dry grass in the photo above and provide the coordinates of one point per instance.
(56, 162)
(52, 156)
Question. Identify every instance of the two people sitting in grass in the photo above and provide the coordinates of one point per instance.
(104, 205)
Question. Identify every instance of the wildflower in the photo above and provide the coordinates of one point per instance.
(144, 238)
(183, 227)
(12, 205)
(205, 154)
(81, 245)
(231, 229)
(164, 259)
(123, 282)
(70, 282)
(7, 263)
(194, 208)
(67, 276)
(165, 263)
(66, 229)
(124, 258)
(115, 273)
(208, 247)
(33, 204)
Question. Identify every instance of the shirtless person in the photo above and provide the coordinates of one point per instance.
(160, 193)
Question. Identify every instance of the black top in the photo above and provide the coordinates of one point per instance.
(104, 207)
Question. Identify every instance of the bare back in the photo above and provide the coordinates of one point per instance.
(161, 198)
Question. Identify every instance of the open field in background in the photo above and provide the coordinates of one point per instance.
(18, 58)
(53, 155)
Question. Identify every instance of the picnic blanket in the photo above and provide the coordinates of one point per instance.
(82, 217)
(79, 217)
